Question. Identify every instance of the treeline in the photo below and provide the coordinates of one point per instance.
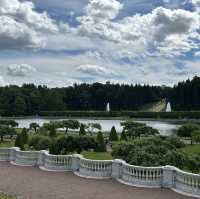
(32, 100)
(186, 95)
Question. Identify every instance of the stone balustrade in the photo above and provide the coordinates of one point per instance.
(4, 154)
(154, 177)
(141, 176)
(95, 168)
(57, 162)
(26, 158)
(187, 183)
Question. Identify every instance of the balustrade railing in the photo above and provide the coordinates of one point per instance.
(4, 154)
(187, 182)
(26, 158)
(142, 176)
(95, 168)
(58, 162)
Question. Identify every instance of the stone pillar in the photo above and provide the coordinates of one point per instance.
(13, 153)
(169, 173)
(41, 158)
(117, 166)
(76, 162)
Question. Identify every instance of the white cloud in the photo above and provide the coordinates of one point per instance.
(197, 54)
(95, 70)
(2, 82)
(20, 70)
(103, 9)
(22, 27)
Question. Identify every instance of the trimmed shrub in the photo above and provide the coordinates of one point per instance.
(101, 146)
(113, 135)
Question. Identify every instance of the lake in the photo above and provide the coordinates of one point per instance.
(165, 128)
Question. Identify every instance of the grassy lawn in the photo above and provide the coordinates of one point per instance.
(7, 144)
(4, 196)
(192, 149)
(97, 155)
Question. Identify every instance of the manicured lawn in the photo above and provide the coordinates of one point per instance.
(192, 149)
(97, 155)
(4, 196)
(7, 144)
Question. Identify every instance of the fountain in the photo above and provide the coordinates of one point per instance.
(168, 108)
(108, 107)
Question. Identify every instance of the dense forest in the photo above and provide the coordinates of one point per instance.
(30, 99)
(186, 95)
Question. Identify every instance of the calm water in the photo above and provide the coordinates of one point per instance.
(165, 128)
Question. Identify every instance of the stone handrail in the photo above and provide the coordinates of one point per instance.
(186, 181)
(57, 162)
(154, 177)
(141, 176)
(95, 168)
(26, 158)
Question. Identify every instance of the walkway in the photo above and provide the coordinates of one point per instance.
(32, 183)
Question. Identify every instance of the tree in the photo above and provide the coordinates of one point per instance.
(19, 142)
(24, 136)
(187, 129)
(113, 135)
(82, 130)
(196, 136)
(101, 146)
(10, 123)
(6, 130)
(93, 126)
(34, 126)
(70, 124)
(52, 131)
(123, 136)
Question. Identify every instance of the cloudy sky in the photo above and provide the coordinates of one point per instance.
(58, 43)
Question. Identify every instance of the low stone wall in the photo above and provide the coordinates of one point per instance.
(153, 177)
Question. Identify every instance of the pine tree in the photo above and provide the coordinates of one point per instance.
(82, 130)
(123, 136)
(113, 135)
(52, 132)
(101, 146)
(24, 136)
(18, 142)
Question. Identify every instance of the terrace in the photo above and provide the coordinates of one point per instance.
(107, 179)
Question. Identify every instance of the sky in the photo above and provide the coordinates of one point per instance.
(59, 43)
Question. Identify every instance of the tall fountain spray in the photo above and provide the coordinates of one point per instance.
(108, 107)
(168, 109)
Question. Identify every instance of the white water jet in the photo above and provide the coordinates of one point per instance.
(168, 109)
(108, 107)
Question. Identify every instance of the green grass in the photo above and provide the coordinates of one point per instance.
(192, 149)
(4, 196)
(7, 144)
(97, 155)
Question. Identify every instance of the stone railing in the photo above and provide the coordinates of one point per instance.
(141, 176)
(154, 177)
(95, 168)
(57, 162)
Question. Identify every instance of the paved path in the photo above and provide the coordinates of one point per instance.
(32, 183)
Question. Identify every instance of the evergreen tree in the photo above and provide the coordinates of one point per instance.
(82, 130)
(52, 131)
(123, 136)
(113, 135)
(24, 136)
(101, 146)
(19, 142)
